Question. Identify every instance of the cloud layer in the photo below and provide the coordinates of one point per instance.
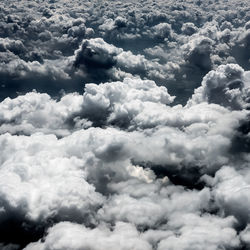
(124, 125)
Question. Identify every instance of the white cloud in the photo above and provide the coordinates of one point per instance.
(227, 86)
(200, 232)
(230, 189)
(122, 163)
(66, 235)
(39, 180)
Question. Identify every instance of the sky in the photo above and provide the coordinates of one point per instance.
(124, 125)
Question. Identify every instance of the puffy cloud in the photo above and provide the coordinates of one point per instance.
(227, 86)
(98, 59)
(98, 156)
(200, 148)
(20, 69)
(162, 31)
(183, 137)
(104, 103)
(15, 46)
(95, 53)
(33, 179)
(111, 154)
(36, 112)
(245, 236)
(189, 28)
(157, 205)
(199, 52)
(57, 29)
(205, 232)
(66, 235)
(231, 188)
(120, 101)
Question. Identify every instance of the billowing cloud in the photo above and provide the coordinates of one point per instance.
(67, 235)
(124, 125)
(228, 86)
(195, 232)
(230, 189)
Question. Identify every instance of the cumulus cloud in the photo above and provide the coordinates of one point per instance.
(190, 40)
(158, 207)
(99, 60)
(195, 232)
(228, 86)
(125, 129)
(198, 52)
(27, 181)
(67, 235)
(231, 188)
(245, 237)
(35, 112)
(102, 160)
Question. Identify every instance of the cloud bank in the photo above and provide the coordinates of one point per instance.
(124, 125)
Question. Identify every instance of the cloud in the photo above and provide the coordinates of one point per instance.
(56, 32)
(198, 53)
(15, 46)
(245, 237)
(9, 247)
(36, 112)
(189, 28)
(98, 59)
(66, 235)
(206, 232)
(157, 207)
(182, 136)
(230, 189)
(33, 180)
(227, 86)
(124, 125)
(115, 101)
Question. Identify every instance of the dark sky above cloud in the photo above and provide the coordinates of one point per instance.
(124, 125)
